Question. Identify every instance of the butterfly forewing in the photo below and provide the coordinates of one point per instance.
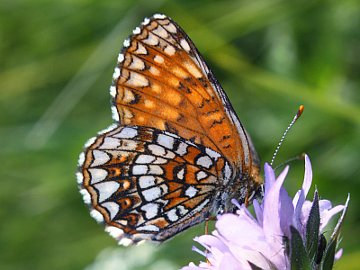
(163, 82)
(145, 181)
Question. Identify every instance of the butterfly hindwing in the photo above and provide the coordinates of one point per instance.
(147, 183)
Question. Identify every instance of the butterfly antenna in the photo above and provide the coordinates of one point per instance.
(296, 117)
(286, 162)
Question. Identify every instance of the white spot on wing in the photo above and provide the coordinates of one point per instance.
(160, 161)
(128, 96)
(161, 32)
(97, 216)
(170, 27)
(97, 175)
(204, 161)
(201, 175)
(170, 50)
(154, 193)
(112, 208)
(182, 210)
(127, 133)
(137, 63)
(166, 141)
(126, 43)
(82, 159)
(85, 195)
(100, 158)
(155, 169)
(151, 210)
(114, 231)
(212, 153)
(159, 16)
(110, 143)
(159, 59)
(151, 40)
(139, 169)
(116, 74)
(113, 91)
(120, 58)
(90, 142)
(150, 227)
(146, 21)
(193, 69)
(191, 192)
(180, 174)
(140, 49)
(172, 216)
(136, 31)
(157, 150)
(169, 155)
(182, 149)
(79, 178)
(106, 189)
(137, 80)
(185, 45)
(114, 113)
(125, 242)
(145, 159)
(153, 70)
(146, 181)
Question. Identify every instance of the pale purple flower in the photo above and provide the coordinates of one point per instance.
(241, 241)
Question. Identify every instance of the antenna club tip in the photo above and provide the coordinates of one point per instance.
(300, 111)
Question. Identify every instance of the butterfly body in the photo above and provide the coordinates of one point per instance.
(177, 153)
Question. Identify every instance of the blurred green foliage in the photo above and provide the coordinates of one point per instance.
(270, 56)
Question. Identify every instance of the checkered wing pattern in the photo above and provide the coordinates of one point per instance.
(147, 184)
(177, 153)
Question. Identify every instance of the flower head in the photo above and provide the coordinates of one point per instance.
(284, 233)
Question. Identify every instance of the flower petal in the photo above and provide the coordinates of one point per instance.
(229, 262)
(286, 212)
(192, 266)
(211, 241)
(271, 223)
(325, 216)
(338, 254)
(258, 212)
(307, 176)
(239, 229)
(250, 255)
(324, 205)
(297, 218)
(269, 177)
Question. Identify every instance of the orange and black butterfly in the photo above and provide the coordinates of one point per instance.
(177, 153)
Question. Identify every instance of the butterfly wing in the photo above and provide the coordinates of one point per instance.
(148, 184)
(162, 81)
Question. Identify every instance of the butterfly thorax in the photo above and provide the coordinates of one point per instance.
(242, 187)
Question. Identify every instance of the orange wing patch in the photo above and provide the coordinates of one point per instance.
(161, 84)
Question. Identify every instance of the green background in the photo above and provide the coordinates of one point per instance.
(57, 60)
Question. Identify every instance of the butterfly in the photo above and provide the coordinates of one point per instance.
(177, 153)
